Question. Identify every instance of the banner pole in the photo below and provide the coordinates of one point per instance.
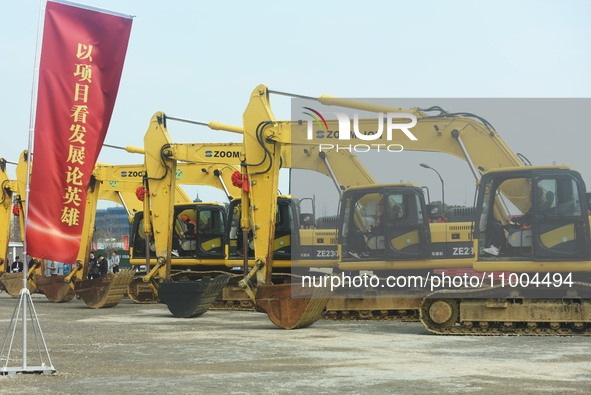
(25, 290)
(25, 299)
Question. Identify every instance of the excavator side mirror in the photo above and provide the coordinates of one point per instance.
(433, 210)
(307, 220)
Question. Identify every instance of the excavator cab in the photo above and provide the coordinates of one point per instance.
(532, 238)
(285, 243)
(537, 214)
(296, 237)
(198, 233)
(385, 223)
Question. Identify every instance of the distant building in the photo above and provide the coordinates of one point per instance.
(111, 224)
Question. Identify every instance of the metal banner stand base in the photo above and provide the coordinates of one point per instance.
(44, 365)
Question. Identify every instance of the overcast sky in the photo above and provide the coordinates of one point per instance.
(201, 60)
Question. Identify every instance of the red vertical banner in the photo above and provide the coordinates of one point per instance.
(82, 57)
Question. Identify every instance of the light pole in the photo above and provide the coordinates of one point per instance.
(426, 166)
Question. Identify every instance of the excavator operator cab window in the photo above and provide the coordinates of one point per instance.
(537, 214)
(284, 224)
(198, 232)
(210, 232)
(184, 239)
(283, 230)
(283, 217)
(505, 219)
(384, 224)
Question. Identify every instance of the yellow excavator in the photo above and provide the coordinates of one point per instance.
(192, 244)
(532, 225)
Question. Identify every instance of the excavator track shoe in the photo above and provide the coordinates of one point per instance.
(494, 311)
(55, 288)
(105, 291)
(186, 299)
(290, 306)
(142, 292)
(13, 283)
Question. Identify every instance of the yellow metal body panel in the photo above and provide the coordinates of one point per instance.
(406, 240)
(559, 235)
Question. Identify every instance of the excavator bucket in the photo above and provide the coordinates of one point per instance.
(290, 306)
(105, 291)
(13, 283)
(187, 299)
(55, 288)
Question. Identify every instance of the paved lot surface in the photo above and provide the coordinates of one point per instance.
(142, 349)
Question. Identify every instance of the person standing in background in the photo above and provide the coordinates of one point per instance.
(93, 271)
(103, 266)
(114, 262)
(17, 265)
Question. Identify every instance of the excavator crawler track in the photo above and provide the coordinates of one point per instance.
(233, 298)
(371, 305)
(338, 308)
(105, 291)
(142, 292)
(376, 315)
(483, 312)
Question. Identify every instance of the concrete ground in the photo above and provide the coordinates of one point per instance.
(142, 349)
